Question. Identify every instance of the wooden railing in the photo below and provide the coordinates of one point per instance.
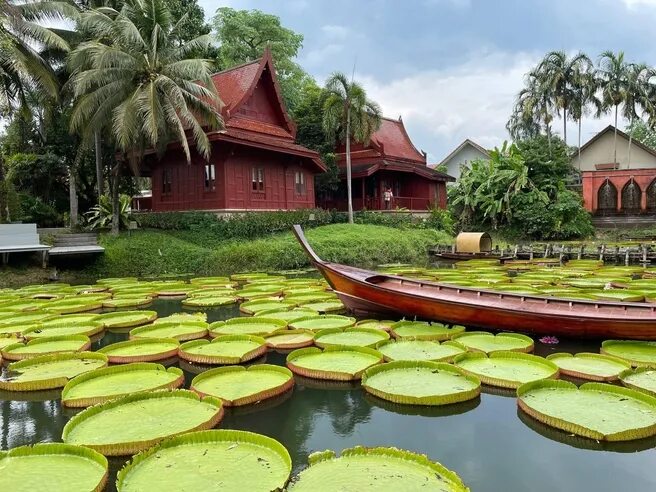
(371, 203)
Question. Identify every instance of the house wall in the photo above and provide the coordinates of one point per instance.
(463, 158)
(593, 180)
(601, 152)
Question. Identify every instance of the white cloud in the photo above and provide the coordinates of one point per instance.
(634, 4)
(318, 57)
(335, 31)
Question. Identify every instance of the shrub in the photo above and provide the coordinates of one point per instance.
(34, 209)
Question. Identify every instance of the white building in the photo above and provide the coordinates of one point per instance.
(461, 156)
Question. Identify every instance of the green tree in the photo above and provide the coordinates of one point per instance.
(612, 76)
(547, 166)
(636, 99)
(191, 17)
(643, 133)
(349, 115)
(535, 106)
(584, 102)
(135, 79)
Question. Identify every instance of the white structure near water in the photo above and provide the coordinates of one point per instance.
(461, 156)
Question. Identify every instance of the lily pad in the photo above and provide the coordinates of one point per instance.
(126, 319)
(25, 318)
(63, 329)
(239, 385)
(9, 340)
(182, 330)
(136, 422)
(322, 322)
(258, 305)
(420, 350)
(289, 339)
(49, 371)
(351, 337)
(287, 315)
(483, 341)
(376, 324)
(109, 383)
(621, 295)
(263, 290)
(45, 346)
(506, 369)
(227, 349)
(56, 467)
(141, 350)
(335, 363)
(594, 367)
(641, 379)
(421, 330)
(124, 302)
(258, 326)
(237, 460)
(181, 318)
(595, 410)
(326, 306)
(375, 470)
(637, 353)
(209, 301)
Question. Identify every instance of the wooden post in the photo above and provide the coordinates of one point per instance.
(602, 248)
(530, 254)
(515, 251)
(581, 250)
(627, 257)
(644, 255)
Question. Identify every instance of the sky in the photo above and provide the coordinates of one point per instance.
(452, 68)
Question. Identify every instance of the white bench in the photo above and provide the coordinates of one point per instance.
(20, 238)
(76, 244)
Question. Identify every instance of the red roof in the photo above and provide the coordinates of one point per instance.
(365, 170)
(233, 83)
(394, 141)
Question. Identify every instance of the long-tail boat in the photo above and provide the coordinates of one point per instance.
(367, 291)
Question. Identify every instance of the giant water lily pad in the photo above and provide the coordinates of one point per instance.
(141, 350)
(506, 369)
(326, 306)
(288, 316)
(239, 385)
(246, 326)
(227, 349)
(352, 337)
(182, 330)
(420, 383)
(621, 295)
(290, 339)
(133, 423)
(16, 319)
(70, 306)
(49, 371)
(375, 470)
(635, 352)
(237, 460)
(483, 341)
(420, 350)
(420, 330)
(108, 383)
(376, 324)
(209, 301)
(594, 367)
(125, 302)
(181, 318)
(44, 346)
(322, 322)
(126, 319)
(596, 410)
(641, 379)
(63, 329)
(335, 363)
(258, 305)
(8, 340)
(55, 467)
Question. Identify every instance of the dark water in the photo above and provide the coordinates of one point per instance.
(491, 445)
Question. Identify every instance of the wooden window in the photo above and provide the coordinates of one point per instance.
(257, 180)
(300, 183)
(210, 177)
(167, 181)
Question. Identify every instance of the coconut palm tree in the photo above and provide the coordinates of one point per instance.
(534, 107)
(612, 75)
(133, 80)
(636, 99)
(348, 114)
(584, 101)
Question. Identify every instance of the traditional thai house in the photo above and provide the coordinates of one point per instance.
(389, 160)
(621, 185)
(255, 162)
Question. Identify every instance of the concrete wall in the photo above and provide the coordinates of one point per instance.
(601, 152)
(463, 157)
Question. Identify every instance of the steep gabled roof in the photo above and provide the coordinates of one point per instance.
(620, 133)
(393, 141)
(364, 170)
(465, 143)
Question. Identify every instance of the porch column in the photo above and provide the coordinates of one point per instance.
(363, 200)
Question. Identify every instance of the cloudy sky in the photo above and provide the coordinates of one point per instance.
(451, 68)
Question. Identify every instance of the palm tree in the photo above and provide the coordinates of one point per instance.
(348, 114)
(584, 101)
(132, 79)
(636, 99)
(612, 75)
(534, 106)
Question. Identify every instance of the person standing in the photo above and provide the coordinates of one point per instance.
(387, 198)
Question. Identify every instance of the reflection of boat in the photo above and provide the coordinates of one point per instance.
(423, 410)
(364, 290)
(583, 442)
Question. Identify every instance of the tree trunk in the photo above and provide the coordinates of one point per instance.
(615, 139)
(115, 200)
(565, 125)
(348, 165)
(4, 194)
(72, 197)
(580, 143)
(99, 169)
(628, 164)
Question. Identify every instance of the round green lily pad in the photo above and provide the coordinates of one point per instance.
(641, 379)
(420, 383)
(287, 315)
(124, 302)
(237, 460)
(375, 470)
(420, 350)
(209, 301)
(25, 318)
(483, 341)
(506, 369)
(70, 306)
(594, 367)
(325, 306)
(63, 329)
(310, 297)
(421, 330)
(126, 319)
(141, 350)
(49, 371)
(9, 340)
(290, 339)
(351, 337)
(239, 385)
(636, 352)
(254, 307)
(322, 322)
(246, 326)
(256, 291)
(45, 346)
(243, 277)
(227, 349)
(108, 383)
(181, 330)
(596, 410)
(335, 363)
(210, 280)
(56, 467)
(621, 295)
(376, 324)
(181, 318)
(136, 422)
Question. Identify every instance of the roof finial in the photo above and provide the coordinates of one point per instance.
(400, 118)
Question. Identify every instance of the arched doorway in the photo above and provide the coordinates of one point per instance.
(651, 197)
(607, 198)
(631, 197)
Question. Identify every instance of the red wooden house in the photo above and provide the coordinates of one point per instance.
(390, 160)
(255, 162)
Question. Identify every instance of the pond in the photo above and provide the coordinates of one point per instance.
(487, 441)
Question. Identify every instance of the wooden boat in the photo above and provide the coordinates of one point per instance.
(366, 291)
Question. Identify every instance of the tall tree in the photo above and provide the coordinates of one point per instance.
(612, 74)
(584, 101)
(533, 108)
(636, 99)
(349, 115)
(134, 75)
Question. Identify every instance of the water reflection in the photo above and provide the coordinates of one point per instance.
(423, 410)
